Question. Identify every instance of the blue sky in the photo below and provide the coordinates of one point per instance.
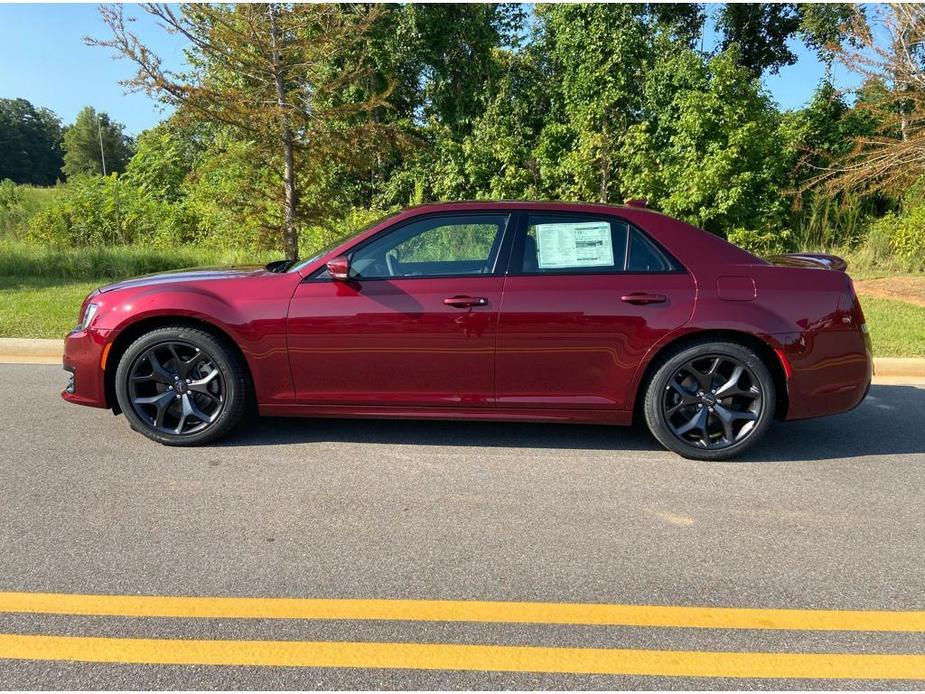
(43, 59)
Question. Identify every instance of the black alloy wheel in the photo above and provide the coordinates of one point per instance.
(176, 388)
(181, 386)
(710, 401)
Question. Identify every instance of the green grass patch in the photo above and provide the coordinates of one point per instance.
(41, 288)
(897, 329)
(19, 259)
(40, 307)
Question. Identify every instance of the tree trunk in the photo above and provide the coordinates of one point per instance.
(605, 165)
(290, 230)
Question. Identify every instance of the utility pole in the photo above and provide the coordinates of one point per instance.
(99, 131)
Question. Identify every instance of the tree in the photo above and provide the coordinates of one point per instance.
(761, 31)
(892, 61)
(94, 144)
(707, 149)
(284, 77)
(30, 143)
(599, 53)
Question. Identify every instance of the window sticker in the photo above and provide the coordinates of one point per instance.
(574, 244)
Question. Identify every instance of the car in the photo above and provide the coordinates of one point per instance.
(505, 311)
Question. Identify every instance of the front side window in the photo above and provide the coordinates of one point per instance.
(433, 247)
(575, 244)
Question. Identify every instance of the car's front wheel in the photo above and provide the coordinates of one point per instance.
(710, 400)
(182, 386)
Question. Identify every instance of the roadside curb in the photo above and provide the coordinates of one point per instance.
(21, 350)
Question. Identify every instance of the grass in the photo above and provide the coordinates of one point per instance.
(40, 307)
(897, 329)
(41, 289)
(19, 259)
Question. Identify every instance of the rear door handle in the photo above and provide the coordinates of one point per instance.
(465, 301)
(641, 298)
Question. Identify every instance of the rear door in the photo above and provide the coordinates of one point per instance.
(585, 298)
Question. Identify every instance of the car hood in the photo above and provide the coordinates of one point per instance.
(176, 276)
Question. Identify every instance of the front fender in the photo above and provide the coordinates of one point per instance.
(253, 317)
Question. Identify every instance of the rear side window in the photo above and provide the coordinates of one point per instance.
(644, 256)
(563, 243)
(574, 244)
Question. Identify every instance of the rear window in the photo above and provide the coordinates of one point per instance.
(576, 244)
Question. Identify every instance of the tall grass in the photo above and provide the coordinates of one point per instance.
(20, 259)
(19, 203)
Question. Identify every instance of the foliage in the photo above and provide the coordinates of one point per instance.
(762, 243)
(95, 144)
(103, 210)
(278, 75)
(19, 203)
(30, 143)
(761, 31)
(906, 232)
(892, 61)
(709, 149)
(108, 263)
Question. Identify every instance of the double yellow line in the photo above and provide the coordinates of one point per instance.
(463, 657)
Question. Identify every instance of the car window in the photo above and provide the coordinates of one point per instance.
(433, 247)
(562, 243)
(644, 256)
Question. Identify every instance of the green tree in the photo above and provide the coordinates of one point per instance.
(30, 143)
(760, 31)
(708, 148)
(94, 144)
(599, 54)
(279, 76)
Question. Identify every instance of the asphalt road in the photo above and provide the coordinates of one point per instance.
(825, 514)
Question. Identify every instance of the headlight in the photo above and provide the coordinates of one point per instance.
(88, 314)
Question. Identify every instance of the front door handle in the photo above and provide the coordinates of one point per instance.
(465, 301)
(641, 298)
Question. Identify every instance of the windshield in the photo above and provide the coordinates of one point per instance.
(334, 244)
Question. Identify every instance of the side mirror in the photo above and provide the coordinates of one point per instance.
(339, 268)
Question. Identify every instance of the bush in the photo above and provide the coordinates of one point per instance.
(762, 243)
(908, 235)
(19, 203)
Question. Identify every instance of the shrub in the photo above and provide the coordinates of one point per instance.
(19, 203)
(908, 234)
(762, 243)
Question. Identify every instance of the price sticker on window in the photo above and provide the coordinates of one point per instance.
(567, 245)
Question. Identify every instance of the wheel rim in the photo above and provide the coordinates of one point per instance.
(713, 401)
(176, 388)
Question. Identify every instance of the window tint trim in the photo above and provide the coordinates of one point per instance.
(502, 255)
(515, 260)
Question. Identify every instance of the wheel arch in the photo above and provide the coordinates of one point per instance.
(760, 346)
(138, 328)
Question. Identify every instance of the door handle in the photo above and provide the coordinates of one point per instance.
(641, 298)
(465, 301)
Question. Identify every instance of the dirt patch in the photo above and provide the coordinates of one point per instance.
(908, 289)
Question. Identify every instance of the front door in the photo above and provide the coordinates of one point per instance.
(585, 300)
(415, 325)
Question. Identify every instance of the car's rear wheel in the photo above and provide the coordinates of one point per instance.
(710, 400)
(182, 386)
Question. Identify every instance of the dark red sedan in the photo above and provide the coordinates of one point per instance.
(510, 311)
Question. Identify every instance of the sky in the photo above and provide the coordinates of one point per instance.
(43, 58)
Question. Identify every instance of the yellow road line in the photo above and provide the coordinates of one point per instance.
(416, 656)
(462, 611)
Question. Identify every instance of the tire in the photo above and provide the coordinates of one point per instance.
(685, 407)
(182, 386)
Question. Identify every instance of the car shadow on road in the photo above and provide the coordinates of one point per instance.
(890, 421)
